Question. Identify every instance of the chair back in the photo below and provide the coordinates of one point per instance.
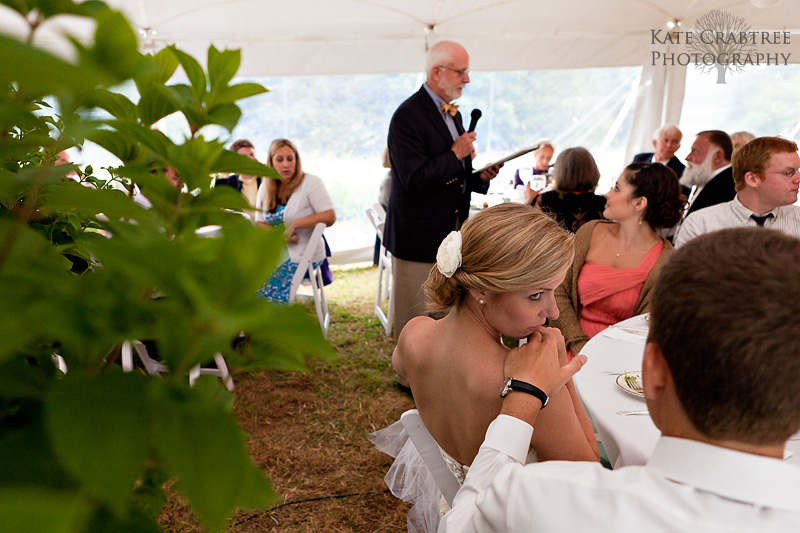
(431, 454)
(306, 267)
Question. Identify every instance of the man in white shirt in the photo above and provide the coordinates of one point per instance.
(766, 175)
(720, 381)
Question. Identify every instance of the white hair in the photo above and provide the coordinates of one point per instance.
(666, 128)
(440, 53)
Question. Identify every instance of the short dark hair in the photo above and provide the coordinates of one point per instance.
(576, 171)
(659, 184)
(721, 140)
(241, 143)
(724, 313)
(755, 155)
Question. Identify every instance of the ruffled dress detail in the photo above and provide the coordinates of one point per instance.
(410, 480)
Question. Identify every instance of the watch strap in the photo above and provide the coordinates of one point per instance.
(522, 386)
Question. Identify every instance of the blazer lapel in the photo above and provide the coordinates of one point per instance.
(435, 115)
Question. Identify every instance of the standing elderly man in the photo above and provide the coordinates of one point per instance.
(709, 170)
(765, 171)
(666, 141)
(432, 178)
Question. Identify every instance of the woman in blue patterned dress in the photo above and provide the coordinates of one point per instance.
(299, 201)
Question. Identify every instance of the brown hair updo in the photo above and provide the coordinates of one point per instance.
(504, 248)
(659, 184)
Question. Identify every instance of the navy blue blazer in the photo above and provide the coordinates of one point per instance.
(431, 187)
(674, 163)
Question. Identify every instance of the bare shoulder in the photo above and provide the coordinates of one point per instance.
(416, 338)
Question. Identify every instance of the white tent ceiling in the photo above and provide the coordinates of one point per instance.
(380, 36)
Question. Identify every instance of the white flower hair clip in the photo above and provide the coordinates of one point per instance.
(448, 257)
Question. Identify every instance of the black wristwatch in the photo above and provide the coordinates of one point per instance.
(521, 386)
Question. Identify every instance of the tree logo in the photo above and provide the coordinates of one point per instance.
(721, 42)
(715, 34)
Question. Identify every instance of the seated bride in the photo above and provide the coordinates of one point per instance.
(497, 277)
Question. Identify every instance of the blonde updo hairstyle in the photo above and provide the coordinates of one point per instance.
(508, 247)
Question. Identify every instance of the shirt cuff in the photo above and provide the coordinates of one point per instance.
(510, 436)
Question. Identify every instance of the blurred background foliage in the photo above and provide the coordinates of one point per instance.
(84, 268)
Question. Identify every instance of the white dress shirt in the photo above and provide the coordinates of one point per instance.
(734, 214)
(685, 486)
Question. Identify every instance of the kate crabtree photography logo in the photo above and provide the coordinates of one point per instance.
(720, 41)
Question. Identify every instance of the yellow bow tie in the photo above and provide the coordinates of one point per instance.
(449, 108)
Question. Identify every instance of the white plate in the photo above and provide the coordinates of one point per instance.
(622, 384)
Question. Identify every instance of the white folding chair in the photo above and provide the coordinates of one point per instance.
(153, 367)
(314, 280)
(378, 219)
(431, 455)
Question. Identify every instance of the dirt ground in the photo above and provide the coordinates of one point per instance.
(308, 431)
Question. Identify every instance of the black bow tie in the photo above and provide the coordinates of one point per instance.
(760, 220)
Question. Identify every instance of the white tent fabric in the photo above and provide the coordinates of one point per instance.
(317, 37)
(382, 36)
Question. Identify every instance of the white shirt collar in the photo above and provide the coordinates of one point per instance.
(719, 170)
(736, 475)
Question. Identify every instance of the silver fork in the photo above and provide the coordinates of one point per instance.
(629, 413)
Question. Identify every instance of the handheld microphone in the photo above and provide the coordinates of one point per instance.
(476, 114)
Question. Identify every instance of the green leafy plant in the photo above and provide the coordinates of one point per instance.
(83, 268)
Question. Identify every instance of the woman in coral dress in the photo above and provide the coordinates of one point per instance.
(617, 260)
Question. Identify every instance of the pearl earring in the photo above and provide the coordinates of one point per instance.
(481, 301)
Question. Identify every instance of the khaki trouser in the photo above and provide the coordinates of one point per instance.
(408, 297)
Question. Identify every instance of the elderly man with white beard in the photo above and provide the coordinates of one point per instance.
(709, 170)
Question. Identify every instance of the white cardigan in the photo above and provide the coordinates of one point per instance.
(311, 197)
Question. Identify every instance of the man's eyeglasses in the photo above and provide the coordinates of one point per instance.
(789, 172)
(460, 71)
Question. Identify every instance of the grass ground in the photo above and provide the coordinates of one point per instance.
(308, 431)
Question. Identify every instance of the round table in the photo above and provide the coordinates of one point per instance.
(628, 440)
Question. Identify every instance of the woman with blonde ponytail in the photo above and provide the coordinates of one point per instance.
(496, 277)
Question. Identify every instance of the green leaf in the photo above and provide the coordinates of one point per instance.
(73, 197)
(203, 447)
(116, 143)
(99, 427)
(222, 67)
(39, 73)
(194, 72)
(226, 115)
(164, 63)
(117, 104)
(32, 509)
(115, 47)
(234, 163)
(155, 103)
(238, 92)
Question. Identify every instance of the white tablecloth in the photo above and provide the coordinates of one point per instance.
(628, 440)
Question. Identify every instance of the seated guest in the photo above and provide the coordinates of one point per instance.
(497, 277)
(666, 141)
(617, 260)
(541, 158)
(299, 201)
(709, 170)
(740, 138)
(247, 185)
(765, 171)
(573, 202)
(720, 384)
